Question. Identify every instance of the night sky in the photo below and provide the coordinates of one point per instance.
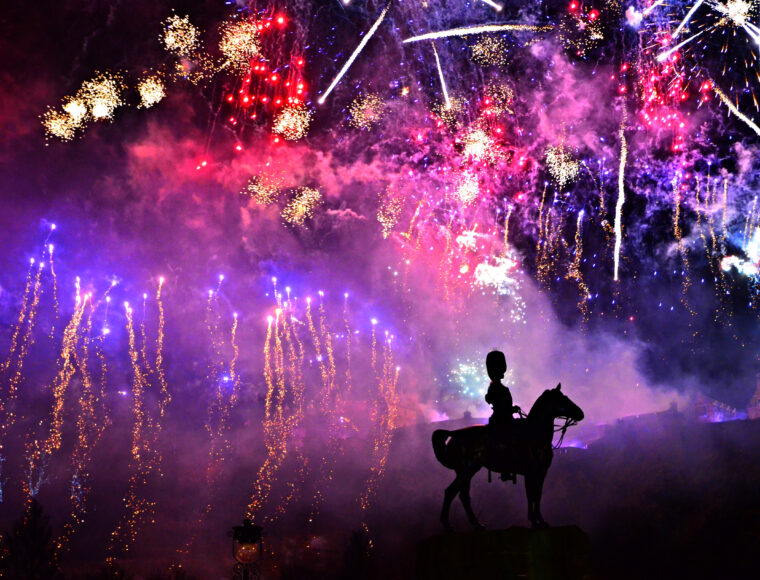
(575, 191)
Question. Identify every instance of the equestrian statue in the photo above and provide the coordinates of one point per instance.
(506, 445)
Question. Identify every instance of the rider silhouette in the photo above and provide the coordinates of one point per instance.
(500, 398)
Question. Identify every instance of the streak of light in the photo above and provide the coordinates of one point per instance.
(440, 74)
(734, 109)
(353, 56)
(621, 197)
(468, 30)
(663, 55)
(687, 18)
(495, 5)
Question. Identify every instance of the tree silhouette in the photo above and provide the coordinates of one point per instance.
(27, 550)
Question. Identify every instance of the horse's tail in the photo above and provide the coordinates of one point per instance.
(440, 436)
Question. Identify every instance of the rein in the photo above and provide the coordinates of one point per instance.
(563, 428)
(557, 427)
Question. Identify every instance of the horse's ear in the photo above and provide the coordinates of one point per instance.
(559, 386)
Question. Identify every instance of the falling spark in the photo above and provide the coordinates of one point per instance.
(440, 75)
(478, 30)
(353, 56)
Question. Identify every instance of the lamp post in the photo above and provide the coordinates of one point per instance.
(246, 549)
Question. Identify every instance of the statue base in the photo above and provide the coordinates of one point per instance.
(538, 554)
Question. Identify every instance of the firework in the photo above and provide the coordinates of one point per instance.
(262, 189)
(480, 146)
(103, 95)
(59, 124)
(366, 111)
(179, 36)
(292, 123)
(482, 29)
(468, 189)
(490, 51)
(353, 56)
(581, 29)
(239, 44)
(499, 99)
(76, 108)
(151, 90)
(389, 212)
(302, 206)
(450, 113)
(562, 166)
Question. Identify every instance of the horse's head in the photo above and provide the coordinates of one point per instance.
(557, 404)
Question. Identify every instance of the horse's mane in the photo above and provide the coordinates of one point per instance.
(540, 403)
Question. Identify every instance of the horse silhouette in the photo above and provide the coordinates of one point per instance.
(525, 448)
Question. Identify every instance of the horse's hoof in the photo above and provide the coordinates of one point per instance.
(539, 525)
(478, 527)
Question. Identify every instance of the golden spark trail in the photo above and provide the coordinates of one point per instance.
(327, 341)
(733, 108)
(56, 306)
(574, 272)
(440, 75)
(144, 337)
(165, 397)
(682, 249)
(19, 348)
(138, 508)
(384, 416)
(353, 56)
(88, 433)
(621, 196)
(478, 30)
(747, 223)
(38, 452)
(348, 344)
(274, 430)
(506, 230)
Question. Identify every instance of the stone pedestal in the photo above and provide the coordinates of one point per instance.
(515, 553)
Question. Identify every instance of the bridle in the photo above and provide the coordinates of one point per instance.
(563, 428)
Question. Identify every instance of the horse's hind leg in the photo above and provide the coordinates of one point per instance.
(448, 496)
(533, 489)
(464, 495)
